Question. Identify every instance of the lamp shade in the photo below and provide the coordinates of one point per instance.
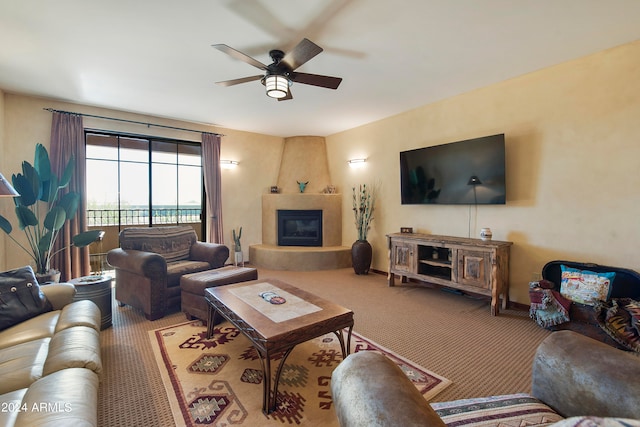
(474, 180)
(6, 189)
(277, 86)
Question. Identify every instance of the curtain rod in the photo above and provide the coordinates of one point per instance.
(130, 121)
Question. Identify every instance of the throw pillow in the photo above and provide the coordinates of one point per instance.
(20, 297)
(507, 410)
(548, 307)
(620, 318)
(585, 287)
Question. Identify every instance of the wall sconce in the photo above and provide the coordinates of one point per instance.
(228, 164)
(6, 189)
(357, 163)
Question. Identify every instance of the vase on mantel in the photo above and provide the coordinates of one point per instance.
(361, 254)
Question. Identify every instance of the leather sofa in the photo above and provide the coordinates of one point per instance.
(573, 377)
(150, 262)
(50, 364)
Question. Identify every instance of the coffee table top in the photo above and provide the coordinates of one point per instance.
(273, 320)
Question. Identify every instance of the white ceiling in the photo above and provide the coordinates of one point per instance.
(155, 56)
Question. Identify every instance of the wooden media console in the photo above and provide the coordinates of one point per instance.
(471, 265)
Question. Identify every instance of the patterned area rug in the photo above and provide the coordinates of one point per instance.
(218, 382)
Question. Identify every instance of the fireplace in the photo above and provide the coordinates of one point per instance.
(299, 227)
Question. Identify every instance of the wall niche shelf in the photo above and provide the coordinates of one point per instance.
(471, 265)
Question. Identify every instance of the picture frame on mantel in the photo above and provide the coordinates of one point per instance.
(406, 230)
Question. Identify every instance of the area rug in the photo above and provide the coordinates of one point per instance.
(218, 381)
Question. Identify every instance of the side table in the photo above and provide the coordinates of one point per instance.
(98, 290)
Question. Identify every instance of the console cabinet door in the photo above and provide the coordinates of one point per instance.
(403, 257)
(474, 268)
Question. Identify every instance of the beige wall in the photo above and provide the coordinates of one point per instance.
(26, 123)
(573, 156)
(573, 165)
(304, 159)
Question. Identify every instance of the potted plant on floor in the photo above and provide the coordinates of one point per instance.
(363, 206)
(238, 259)
(41, 213)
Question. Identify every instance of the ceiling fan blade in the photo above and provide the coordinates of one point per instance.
(236, 54)
(238, 81)
(261, 17)
(316, 80)
(286, 98)
(319, 22)
(304, 51)
(257, 14)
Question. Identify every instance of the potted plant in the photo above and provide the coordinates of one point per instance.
(363, 207)
(41, 213)
(238, 259)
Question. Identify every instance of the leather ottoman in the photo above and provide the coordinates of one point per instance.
(192, 287)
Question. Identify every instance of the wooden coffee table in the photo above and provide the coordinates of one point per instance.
(275, 326)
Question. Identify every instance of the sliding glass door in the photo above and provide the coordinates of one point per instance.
(139, 181)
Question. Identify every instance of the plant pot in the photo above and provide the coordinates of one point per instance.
(238, 259)
(361, 253)
(52, 276)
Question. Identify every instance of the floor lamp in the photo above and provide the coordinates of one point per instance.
(6, 189)
(474, 181)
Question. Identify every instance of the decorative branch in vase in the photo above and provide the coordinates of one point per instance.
(364, 199)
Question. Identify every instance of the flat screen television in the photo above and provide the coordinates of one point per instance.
(458, 173)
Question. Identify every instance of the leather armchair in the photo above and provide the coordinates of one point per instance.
(572, 376)
(150, 262)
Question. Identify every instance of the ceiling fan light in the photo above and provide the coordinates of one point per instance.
(277, 86)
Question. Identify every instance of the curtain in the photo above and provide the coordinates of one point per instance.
(212, 185)
(67, 139)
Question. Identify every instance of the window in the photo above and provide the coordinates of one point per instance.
(133, 180)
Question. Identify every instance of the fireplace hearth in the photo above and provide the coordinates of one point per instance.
(329, 256)
(299, 227)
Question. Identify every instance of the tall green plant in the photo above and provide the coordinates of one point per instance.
(236, 240)
(41, 214)
(363, 206)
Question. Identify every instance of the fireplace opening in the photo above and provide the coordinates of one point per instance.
(299, 227)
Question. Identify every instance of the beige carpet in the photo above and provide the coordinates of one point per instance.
(218, 381)
(450, 334)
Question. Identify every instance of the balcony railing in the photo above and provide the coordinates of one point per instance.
(106, 217)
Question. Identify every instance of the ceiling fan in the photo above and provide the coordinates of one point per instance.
(280, 75)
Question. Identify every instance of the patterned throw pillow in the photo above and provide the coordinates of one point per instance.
(620, 318)
(172, 243)
(508, 410)
(585, 287)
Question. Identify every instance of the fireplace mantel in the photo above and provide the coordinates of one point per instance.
(304, 158)
(330, 204)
